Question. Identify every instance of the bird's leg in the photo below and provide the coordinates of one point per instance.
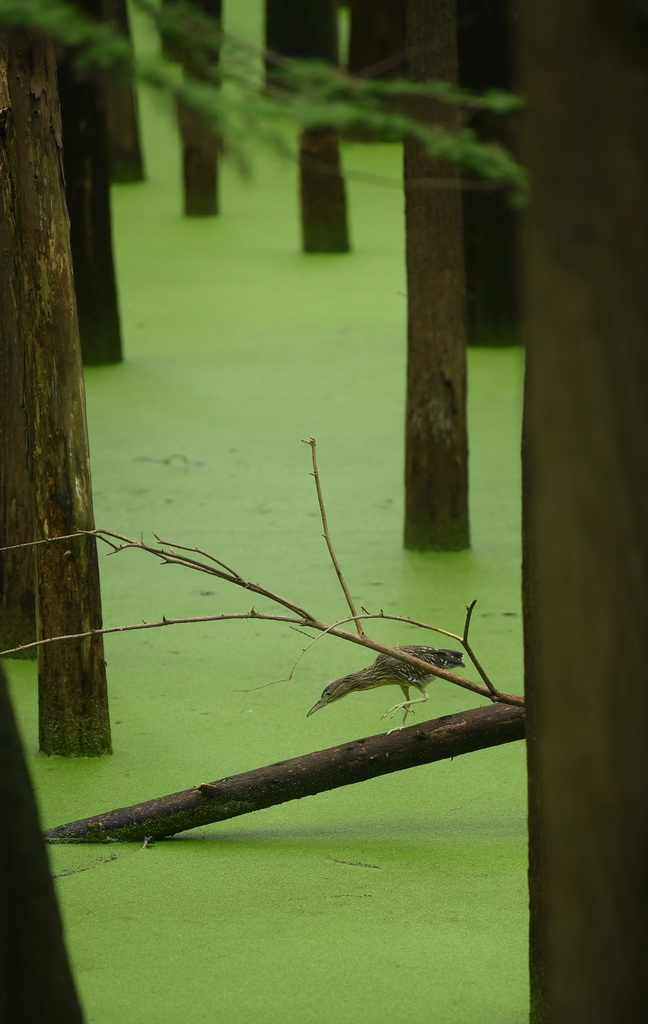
(405, 706)
(407, 709)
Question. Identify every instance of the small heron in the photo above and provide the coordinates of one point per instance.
(388, 671)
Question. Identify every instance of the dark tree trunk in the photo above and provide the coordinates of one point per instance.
(585, 79)
(35, 979)
(172, 47)
(436, 448)
(120, 102)
(17, 602)
(309, 32)
(322, 193)
(85, 153)
(490, 224)
(376, 51)
(200, 149)
(73, 702)
(200, 143)
(376, 40)
(303, 31)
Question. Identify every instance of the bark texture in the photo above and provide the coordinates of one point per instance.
(585, 79)
(436, 445)
(35, 979)
(17, 583)
(301, 776)
(73, 702)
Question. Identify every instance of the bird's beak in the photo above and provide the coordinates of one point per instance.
(322, 702)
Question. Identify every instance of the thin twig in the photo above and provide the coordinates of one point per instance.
(164, 621)
(327, 537)
(313, 640)
(46, 540)
(471, 654)
(198, 551)
(230, 575)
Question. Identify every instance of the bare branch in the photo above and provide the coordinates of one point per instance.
(47, 540)
(327, 537)
(164, 621)
(199, 551)
(471, 654)
(225, 573)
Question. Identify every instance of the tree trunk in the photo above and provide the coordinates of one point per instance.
(172, 48)
(309, 32)
(200, 143)
(376, 40)
(490, 224)
(73, 702)
(585, 79)
(17, 601)
(303, 31)
(436, 447)
(120, 103)
(303, 776)
(322, 193)
(200, 149)
(85, 153)
(376, 51)
(36, 983)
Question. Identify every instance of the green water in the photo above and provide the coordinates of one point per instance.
(400, 899)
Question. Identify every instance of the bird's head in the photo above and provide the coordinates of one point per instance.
(338, 688)
(446, 659)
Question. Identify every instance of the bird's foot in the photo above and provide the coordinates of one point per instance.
(399, 707)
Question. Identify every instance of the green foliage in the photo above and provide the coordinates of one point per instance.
(306, 93)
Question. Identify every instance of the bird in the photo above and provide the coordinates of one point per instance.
(387, 671)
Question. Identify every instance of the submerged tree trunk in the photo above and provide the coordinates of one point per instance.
(322, 193)
(120, 102)
(436, 446)
(200, 142)
(85, 152)
(200, 149)
(585, 80)
(309, 32)
(73, 701)
(36, 983)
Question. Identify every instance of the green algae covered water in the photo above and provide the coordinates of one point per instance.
(400, 899)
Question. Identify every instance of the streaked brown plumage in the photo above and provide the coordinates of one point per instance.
(388, 671)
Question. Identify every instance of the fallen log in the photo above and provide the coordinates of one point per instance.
(343, 765)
